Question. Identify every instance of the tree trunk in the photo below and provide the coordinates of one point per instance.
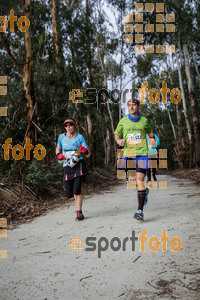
(121, 78)
(170, 119)
(59, 66)
(69, 5)
(113, 130)
(89, 58)
(91, 145)
(55, 30)
(57, 40)
(178, 115)
(56, 48)
(193, 104)
(104, 144)
(189, 131)
(196, 68)
(172, 125)
(180, 132)
(103, 78)
(92, 160)
(27, 77)
(168, 112)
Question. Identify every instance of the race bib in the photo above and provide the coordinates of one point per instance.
(134, 138)
(72, 158)
(69, 154)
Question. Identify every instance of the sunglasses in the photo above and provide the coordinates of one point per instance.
(68, 125)
(133, 102)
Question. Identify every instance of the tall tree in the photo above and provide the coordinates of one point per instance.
(26, 74)
(193, 104)
(90, 75)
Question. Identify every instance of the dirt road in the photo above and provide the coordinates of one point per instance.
(42, 266)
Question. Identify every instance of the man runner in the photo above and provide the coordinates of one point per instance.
(133, 130)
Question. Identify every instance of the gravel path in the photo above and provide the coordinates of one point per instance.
(42, 266)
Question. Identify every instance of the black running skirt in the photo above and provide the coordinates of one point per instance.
(79, 169)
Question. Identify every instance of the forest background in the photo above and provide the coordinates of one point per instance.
(80, 44)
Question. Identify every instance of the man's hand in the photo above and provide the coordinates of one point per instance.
(121, 142)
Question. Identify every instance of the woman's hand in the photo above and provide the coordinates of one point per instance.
(83, 150)
(88, 155)
(61, 156)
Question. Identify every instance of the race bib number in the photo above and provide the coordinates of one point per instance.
(72, 158)
(134, 138)
(69, 154)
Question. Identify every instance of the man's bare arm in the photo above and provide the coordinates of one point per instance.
(120, 142)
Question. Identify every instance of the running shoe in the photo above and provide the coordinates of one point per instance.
(139, 215)
(79, 216)
(146, 197)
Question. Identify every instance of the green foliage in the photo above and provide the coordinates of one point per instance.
(39, 175)
(51, 88)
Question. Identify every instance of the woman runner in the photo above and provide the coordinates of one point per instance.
(69, 148)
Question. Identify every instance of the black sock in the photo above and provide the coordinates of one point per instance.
(141, 199)
(149, 174)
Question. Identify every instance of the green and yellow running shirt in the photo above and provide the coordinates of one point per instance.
(135, 135)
